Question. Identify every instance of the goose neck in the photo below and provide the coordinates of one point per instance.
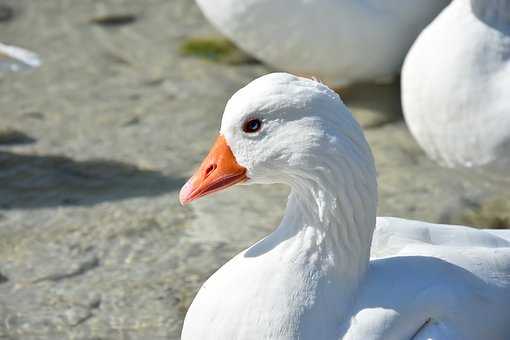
(329, 228)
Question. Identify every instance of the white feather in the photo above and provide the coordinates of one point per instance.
(13, 58)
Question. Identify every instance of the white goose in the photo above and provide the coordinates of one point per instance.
(339, 41)
(313, 278)
(456, 85)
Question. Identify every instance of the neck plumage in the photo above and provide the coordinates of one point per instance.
(496, 11)
(341, 230)
(328, 225)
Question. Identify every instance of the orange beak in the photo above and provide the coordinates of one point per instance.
(219, 170)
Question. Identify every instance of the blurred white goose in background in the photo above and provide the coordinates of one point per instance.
(339, 41)
(312, 278)
(13, 59)
(456, 85)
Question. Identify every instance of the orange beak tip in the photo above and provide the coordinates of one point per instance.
(218, 171)
(185, 193)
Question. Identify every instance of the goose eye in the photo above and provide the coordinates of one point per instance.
(253, 125)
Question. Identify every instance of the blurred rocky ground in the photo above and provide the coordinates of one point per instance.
(95, 144)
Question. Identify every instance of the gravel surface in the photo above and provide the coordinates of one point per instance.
(97, 143)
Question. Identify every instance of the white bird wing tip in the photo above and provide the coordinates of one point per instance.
(13, 55)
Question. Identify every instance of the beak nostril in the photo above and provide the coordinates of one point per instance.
(209, 170)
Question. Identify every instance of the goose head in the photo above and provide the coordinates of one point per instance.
(286, 129)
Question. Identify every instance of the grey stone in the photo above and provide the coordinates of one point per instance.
(12, 136)
(6, 12)
(93, 239)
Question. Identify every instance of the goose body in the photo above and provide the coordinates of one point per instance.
(456, 102)
(339, 41)
(331, 269)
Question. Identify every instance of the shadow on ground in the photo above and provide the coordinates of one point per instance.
(34, 181)
(380, 102)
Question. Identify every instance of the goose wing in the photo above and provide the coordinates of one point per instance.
(393, 235)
